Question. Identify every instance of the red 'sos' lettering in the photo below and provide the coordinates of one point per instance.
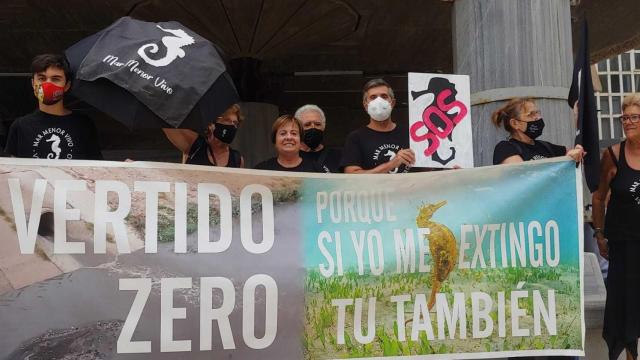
(434, 134)
(433, 140)
(426, 118)
(462, 110)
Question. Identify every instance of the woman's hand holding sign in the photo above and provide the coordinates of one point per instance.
(576, 153)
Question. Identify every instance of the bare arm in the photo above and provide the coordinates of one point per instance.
(599, 198)
(182, 139)
(512, 159)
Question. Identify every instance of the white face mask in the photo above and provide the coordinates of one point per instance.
(379, 109)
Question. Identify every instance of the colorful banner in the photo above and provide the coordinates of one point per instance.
(440, 120)
(159, 261)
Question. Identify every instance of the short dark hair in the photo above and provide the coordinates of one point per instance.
(42, 62)
(283, 120)
(375, 83)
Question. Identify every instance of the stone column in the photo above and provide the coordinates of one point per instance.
(514, 48)
(253, 139)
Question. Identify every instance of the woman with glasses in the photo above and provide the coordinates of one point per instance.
(213, 148)
(618, 233)
(522, 119)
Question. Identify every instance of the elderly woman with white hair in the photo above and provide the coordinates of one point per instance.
(618, 233)
(313, 122)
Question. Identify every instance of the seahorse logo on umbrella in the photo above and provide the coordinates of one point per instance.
(173, 46)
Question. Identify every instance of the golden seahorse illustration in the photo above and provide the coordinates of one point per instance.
(442, 245)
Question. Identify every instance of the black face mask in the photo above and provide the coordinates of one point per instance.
(534, 128)
(313, 138)
(224, 132)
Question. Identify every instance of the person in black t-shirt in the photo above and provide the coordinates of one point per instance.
(213, 148)
(52, 131)
(286, 133)
(313, 122)
(522, 119)
(380, 146)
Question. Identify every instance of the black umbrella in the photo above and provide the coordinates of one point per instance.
(151, 75)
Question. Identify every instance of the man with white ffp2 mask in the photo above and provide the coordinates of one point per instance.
(380, 146)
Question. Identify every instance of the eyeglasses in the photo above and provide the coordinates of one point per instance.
(635, 118)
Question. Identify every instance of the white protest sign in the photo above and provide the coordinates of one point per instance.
(440, 120)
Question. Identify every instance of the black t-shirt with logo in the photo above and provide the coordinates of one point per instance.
(368, 148)
(44, 136)
(623, 210)
(327, 159)
(272, 164)
(539, 150)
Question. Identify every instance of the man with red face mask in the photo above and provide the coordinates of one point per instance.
(52, 131)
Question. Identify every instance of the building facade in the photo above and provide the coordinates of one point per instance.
(619, 76)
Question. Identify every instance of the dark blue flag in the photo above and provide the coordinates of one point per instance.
(587, 128)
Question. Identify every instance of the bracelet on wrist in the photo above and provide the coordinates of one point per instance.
(597, 231)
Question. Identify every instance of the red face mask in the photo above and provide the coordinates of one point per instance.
(48, 93)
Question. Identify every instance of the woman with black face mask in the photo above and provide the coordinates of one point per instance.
(522, 119)
(212, 148)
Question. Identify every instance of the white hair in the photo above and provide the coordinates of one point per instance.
(310, 107)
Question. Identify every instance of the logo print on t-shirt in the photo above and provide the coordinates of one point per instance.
(386, 153)
(391, 154)
(55, 147)
(634, 187)
(173, 46)
(53, 143)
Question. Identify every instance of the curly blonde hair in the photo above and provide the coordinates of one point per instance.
(631, 100)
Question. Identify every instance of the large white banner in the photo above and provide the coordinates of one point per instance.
(440, 120)
(137, 261)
